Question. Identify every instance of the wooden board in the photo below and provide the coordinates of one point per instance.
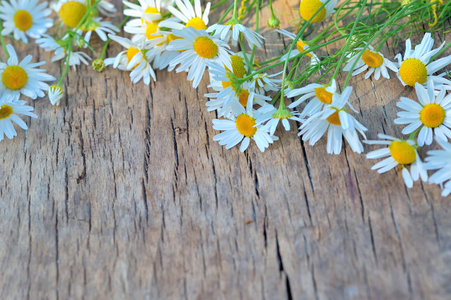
(121, 193)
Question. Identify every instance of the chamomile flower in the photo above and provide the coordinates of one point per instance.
(242, 129)
(300, 47)
(416, 65)
(334, 119)
(71, 12)
(148, 11)
(308, 8)
(23, 78)
(158, 49)
(10, 106)
(233, 30)
(263, 82)
(198, 48)
(432, 114)
(134, 59)
(281, 115)
(319, 95)
(370, 60)
(76, 58)
(25, 18)
(56, 93)
(440, 160)
(102, 28)
(189, 16)
(399, 152)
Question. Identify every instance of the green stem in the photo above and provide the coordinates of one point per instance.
(65, 70)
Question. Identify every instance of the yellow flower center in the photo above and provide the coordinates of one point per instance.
(432, 115)
(151, 29)
(226, 84)
(402, 152)
(5, 111)
(197, 23)
(72, 12)
(172, 37)
(238, 66)
(245, 125)
(334, 118)
(413, 70)
(14, 77)
(300, 46)
(323, 95)
(308, 8)
(151, 10)
(131, 52)
(23, 20)
(205, 47)
(243, 97)
(372, 59)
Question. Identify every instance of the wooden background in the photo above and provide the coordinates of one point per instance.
(121, 193)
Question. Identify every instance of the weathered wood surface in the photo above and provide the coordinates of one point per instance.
(121, 193)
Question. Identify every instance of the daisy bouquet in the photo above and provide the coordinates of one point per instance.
(329, 38)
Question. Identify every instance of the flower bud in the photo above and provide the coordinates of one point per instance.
(56, 93)
(273, 22)
(98, 65)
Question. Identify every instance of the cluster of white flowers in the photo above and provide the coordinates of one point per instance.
(177, 36)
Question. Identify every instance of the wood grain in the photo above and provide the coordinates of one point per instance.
(121, 193)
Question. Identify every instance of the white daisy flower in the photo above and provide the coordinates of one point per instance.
(198, 48)
(25, 18)
(23, 78)
(102, 28)
(370, 60)
(263, 82)
(318, 95)
(300, 47)
(187, 14)
(416, 66)
(440, 160)
(233, 30)
(280, 115)
(10, 106)
(71, 12)
(148, 11)
(135, 59)
(338, 122)
(56, 93)
(308, 8)
(75, 59)
(242, 129)
(432, 114)
(399, 152)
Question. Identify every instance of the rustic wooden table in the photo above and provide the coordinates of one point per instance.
(121, 193)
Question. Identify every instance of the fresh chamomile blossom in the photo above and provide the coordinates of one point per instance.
(71, 12)
(440, 160)
(399, 152)
(263, 82)
(275, 116)
(147, 11)
(198, 48)
(432, 114)
(25, 18)
(335, 119)
(187, 14)
(416, 65)
(308, 8)
(300, 47)
(76, 58)
(370, 60)
(319, 95)
(233, 29)
(242, 129)
(10, 106)
(134, 59)
(56, 93)
(102, 28)
(23, 78)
